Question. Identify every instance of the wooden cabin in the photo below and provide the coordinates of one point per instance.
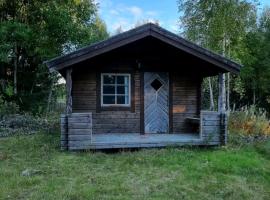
(141, 88)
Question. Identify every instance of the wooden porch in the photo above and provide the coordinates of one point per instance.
(76, 134)
(136, 140)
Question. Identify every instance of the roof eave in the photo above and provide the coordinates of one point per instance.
(125, 38)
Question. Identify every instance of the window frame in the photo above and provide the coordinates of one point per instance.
(115, 95)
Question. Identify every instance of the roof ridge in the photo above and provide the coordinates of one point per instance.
(148, 29)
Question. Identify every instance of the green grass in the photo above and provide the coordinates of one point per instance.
(186, 173)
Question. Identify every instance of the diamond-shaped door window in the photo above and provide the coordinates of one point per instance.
(156, 84)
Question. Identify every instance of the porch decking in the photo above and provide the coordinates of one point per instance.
(136, 140)
(77, 134)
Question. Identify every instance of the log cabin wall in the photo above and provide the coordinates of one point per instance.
(85, 99)
(145, 55)
(186, 100)
(183, 102)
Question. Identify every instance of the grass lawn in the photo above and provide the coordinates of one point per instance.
(185, 173)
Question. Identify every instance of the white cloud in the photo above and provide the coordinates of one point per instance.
(135, 11)
(127, 16)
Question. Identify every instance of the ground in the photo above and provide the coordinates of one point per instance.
(33, 167)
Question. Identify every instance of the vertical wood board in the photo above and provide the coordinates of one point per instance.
(156, 102)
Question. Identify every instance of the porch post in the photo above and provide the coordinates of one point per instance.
(69, 89)
(64, 117)
(222, 109)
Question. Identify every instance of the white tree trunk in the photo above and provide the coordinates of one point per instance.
(222, 93)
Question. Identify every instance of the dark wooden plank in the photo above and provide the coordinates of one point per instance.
(171, 94)
(142, 103)
(69, 90)
(64, 132)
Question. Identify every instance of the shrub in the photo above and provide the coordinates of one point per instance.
(7, 108)
(28, 124)
(250, 124)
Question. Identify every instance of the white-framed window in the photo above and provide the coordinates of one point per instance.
(115, 89)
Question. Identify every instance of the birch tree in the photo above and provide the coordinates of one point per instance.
(217, 25)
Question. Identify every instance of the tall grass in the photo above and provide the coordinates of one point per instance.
(250, 123)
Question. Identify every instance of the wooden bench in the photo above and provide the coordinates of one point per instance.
(193, 120)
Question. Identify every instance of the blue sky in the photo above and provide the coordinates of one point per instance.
(126, 13)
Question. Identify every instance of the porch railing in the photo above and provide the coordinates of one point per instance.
(213, 127)
(76, 130)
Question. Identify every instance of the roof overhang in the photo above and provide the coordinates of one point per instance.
(80, 55)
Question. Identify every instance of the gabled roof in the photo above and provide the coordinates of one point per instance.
(138, 33)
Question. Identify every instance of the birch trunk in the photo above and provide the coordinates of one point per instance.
(222, 93)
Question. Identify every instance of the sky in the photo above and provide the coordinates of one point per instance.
(126, 13)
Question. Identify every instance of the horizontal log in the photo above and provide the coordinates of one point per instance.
(79, 120)
(78, 146)
(123, 131)
(79, 137)
(116, 128)
(116, 121)
(79, 131)
(80, 114)
(79, 125)
(210, 132)
(211, 123)
(84, 108)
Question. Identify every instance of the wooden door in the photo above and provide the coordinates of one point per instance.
(156, 102)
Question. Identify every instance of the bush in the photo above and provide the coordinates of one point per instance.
(249, 124)
(7, 108)
(28, 124)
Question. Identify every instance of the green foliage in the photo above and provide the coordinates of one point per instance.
(233, 29)
(217, 25)
(255, 74)
(222, 173)
(34, 32)
(206, 93)
(7, 108)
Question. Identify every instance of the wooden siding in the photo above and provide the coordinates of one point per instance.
(185, 94)
(85, 100)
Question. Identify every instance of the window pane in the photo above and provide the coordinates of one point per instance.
(122, 90)
(108, 79)
(108, 89)
(126, 99)
(108, 99)
(121, 100)
(120, 79)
